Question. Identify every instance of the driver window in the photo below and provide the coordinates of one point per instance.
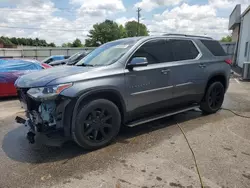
(156, 51)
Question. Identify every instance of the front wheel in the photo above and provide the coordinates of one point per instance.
(213, 98)
(97, 124)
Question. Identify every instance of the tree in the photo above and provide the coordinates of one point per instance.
(14, 40)
(37, 42)
(123, 31)
(131, 28)
(226, 39)
(52, 44)
(30, 42)
(77, 43)
(25, 41)
(6, 41)
(43, 43)
(104, 32)
(22, 41)
(64, 45)
(67, 44)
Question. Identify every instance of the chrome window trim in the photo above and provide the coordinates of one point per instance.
(172, 38)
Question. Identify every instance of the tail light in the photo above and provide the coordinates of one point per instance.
(228, 61)
(45, 66)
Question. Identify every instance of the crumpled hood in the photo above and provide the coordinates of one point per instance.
(44, 77)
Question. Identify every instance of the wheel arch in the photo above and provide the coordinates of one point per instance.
(217, 77)
(109, 94)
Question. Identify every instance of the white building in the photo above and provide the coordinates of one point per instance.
(240, 25)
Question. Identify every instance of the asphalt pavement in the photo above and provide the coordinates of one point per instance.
(151, 155)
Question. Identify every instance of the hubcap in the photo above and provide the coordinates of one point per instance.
(97, 125)
(215, 97)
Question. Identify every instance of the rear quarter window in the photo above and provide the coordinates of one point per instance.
(214, 47)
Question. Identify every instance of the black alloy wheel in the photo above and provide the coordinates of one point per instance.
(97, 124)
(213, 98)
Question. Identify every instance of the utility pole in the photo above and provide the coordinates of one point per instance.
(138, 20)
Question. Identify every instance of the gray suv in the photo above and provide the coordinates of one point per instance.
(126, 82)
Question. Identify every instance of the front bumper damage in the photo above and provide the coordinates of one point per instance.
(49, 121)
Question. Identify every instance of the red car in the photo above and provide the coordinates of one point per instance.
(11, 69)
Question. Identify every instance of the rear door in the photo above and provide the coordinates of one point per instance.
(187, 73)
(149, 86)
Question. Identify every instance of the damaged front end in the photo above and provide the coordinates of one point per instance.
(45, 112)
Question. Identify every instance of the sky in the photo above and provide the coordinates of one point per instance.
(61, 21)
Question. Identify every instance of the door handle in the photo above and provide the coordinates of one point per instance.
(165, 71)
(202, 65)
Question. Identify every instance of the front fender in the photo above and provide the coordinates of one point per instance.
(95, 92)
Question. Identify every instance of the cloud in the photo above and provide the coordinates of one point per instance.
(185, 11)
(98, 8)
(149, 5)
(228, 4)
(49, 19)
(177, 18)
(190, 19)
(123, 20)
(42, 15)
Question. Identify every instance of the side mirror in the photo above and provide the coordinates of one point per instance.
(137, 62)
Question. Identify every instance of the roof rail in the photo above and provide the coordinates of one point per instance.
(184, 35)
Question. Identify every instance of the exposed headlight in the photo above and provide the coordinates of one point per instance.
(49, 92)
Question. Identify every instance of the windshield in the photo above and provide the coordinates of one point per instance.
(108, 53)
(74, 56)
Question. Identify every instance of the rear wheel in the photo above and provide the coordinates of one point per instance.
(97, 124)
(213, 98)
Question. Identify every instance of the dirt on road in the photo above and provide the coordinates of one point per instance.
(151, 155)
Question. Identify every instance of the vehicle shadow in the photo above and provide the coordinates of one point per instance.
(17, 147)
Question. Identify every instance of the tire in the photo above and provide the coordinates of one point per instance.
(97, 123)
(213, 98)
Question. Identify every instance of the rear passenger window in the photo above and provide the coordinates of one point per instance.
(214, 47)
(156, 51)
(183, 50)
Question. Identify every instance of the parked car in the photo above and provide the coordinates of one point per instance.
(11, 69)
(125, 83)
(52, 58)
(72, 60)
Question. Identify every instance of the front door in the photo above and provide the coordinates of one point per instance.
(149, 86)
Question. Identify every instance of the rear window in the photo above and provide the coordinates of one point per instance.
(214, 47)
(183, 50)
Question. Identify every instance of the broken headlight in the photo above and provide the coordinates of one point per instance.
(47, 93)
